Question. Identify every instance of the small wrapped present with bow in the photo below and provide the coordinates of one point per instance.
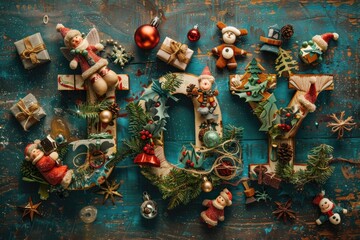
(28, 111)
(32, 51)
(175, 53)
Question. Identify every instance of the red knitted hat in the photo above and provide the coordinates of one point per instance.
(309, 98)
(226, 194)
(67, 33)
(323, 40)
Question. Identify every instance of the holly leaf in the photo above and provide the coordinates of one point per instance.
(148, 94)
(156, 128)
(161, 109)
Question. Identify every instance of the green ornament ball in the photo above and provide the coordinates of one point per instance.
(211, 139)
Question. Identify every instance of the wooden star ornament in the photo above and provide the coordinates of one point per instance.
(110, 191)
(31, 209)
(284, 211)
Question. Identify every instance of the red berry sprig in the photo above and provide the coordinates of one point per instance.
(285, 127)
(149, 147)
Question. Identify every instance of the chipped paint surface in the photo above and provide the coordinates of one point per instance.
(118, 20)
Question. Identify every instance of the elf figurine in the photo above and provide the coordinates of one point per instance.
(215, 211)
(205, 95)
(227, 51)
(47, 165)
(82, 51)
(329, 210)
(311, 51)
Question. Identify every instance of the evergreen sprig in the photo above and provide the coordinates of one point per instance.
(171, 83)
(179, 185)
(90, 110)
(137, 118)
(129, 148)
(318, 169)
(30, 173)
(232, 132)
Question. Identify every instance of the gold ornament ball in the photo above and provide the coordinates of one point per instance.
(206, 186)
(105, 116)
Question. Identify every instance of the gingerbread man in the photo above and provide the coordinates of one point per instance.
(227, 51)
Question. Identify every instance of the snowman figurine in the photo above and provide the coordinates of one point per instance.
(329, 210)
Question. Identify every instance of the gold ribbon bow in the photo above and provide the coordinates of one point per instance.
(177, 51)
(27, 113)
(30, 51)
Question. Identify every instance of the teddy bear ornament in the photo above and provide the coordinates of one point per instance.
(228, 51)
(82, 51)
(328, 209)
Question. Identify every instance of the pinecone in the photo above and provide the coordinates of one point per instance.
(114, 109)
(284, 153)
(287, 31)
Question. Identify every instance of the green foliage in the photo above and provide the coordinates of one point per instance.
(30, 173)
(317, 170)
(266, 112)
(179, 185)
(129, 148)
(91, 110)
(137, 118)
(232, 132)
(171, 83)
(254, 70)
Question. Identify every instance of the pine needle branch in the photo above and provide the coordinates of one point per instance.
(91, 110)
(171, 83)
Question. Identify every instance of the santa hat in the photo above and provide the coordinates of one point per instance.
(238, 32)
(206, 74)
(67, 34)
(226, 194)
(28, 150)
(309, 98)
(323, 40)
(318, 198)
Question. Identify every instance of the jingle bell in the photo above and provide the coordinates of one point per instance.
(148, 208)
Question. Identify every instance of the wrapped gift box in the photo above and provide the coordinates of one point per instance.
(32, 51)
(175, 53)
(28, 111)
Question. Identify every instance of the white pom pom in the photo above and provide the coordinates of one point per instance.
(336, 36)
(73, 64)
(312, 80)
(59, 26)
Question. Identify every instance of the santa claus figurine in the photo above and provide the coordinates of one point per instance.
(52, 172)
(215, 211)
(82, 51)
(204, 93)
(329, 210)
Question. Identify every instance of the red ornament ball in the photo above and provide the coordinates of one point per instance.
(225, 168)
(146, 37)
(194, 35)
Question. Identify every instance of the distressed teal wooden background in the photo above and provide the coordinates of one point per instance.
(118, 20)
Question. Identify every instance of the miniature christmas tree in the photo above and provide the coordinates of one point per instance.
(285, 63)
(254, 69)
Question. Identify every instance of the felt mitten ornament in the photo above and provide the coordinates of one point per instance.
(82, 51)
(330, 212)
(227, 51)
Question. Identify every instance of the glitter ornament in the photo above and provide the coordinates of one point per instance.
(211, 139)
(147, 36)
(194, 35)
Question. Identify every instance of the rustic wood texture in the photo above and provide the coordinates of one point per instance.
(118, 20)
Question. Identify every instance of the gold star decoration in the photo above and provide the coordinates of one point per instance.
(31, 209)
(284, 211)
(340, 124)
(110, 191)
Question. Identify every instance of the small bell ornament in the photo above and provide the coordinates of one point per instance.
(206, 185)
(147, 36)
(194, 35)
(148, 208)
